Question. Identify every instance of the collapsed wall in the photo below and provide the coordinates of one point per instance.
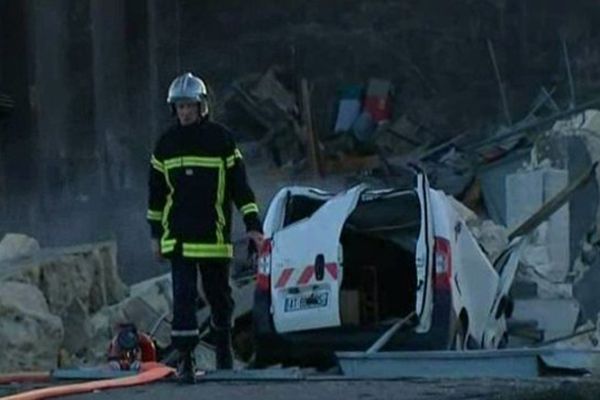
(47, 298)
(559, 269)
(573, 145)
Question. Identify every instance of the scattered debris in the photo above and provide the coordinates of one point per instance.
(532, 179)
(54, 292)
(270, 112)
(510, 363)
(149, 307)
(31, 334)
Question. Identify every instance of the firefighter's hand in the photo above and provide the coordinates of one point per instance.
(156, 250)
(257, 238)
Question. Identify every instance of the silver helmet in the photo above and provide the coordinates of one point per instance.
(187, 87)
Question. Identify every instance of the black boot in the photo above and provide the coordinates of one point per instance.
(186, 369)
(224, 353)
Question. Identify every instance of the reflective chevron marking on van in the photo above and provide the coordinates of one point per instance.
(284, 277)
(305, 277)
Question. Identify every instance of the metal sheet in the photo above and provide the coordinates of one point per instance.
(522, 363)
(545, 311)
(581, 362)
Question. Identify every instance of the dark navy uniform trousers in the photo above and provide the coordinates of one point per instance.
(215, 282)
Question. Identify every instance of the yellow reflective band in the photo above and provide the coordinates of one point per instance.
(219, 205)
(248, 208)
(230, 161)
(199, 250)
(165, 217)
(191, 161)
(157, 165)
(154, 215)
(167, 245)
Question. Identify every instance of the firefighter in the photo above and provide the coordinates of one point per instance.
(196, 173)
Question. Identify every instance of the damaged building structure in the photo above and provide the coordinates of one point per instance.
(557, 273)
(310, 106)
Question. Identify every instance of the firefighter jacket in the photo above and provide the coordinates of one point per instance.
(196, 173)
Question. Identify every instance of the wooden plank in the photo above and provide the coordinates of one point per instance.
(312, 141)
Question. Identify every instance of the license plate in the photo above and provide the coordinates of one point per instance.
(306, 301)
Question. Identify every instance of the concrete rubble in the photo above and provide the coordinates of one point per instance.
(47, 298)
(559, 270)
(15, 246)
(552, 289)
(61, 307)
(548, 249)
(30, 334)
(149, 306)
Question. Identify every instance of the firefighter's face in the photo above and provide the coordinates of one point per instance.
(187, 112)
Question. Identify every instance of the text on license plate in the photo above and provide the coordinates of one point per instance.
(306, 301)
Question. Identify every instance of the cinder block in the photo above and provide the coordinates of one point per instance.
(526, 193)
(556, 317)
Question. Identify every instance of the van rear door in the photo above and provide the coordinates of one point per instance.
(307, 268)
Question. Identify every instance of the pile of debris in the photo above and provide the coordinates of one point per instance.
(561, 260)
(149, 307)
(505, 176)
(548, 175)
(48, 298)
(61, 307)
(274, 110)
(267, 112)
(532, 179)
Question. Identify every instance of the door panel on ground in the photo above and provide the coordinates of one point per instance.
(300, 300)
(506, 265)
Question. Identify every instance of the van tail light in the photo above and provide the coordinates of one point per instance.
(263, 274)
(443, 263)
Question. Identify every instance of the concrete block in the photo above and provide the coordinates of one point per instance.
(558, 234)
(524, 196)
(556, 317)
(549, 249)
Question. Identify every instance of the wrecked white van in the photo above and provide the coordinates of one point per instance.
(338, 269)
